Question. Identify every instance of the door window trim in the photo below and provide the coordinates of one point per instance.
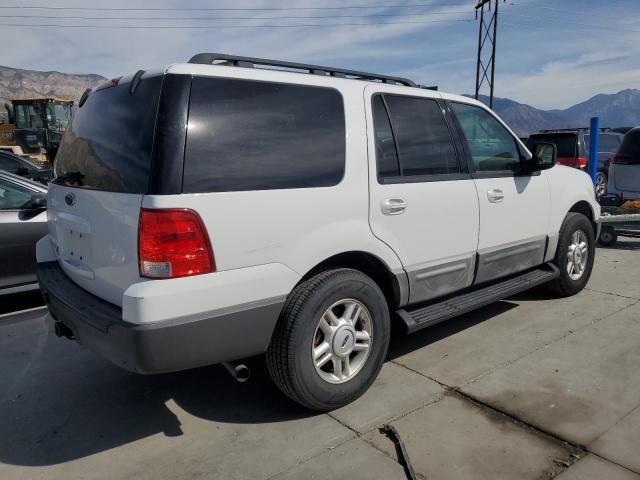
(464, 173)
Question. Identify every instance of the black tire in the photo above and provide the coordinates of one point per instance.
(608, 237)
(289, 358)
(564, 285)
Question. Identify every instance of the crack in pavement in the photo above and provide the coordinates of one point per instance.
(611, 293)
(577, 451)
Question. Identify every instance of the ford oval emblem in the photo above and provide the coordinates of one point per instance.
(70, 199)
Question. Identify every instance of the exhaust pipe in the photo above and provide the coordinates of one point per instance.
(61, 330)
(239, 371)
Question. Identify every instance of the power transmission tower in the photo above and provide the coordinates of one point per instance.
(487, 33)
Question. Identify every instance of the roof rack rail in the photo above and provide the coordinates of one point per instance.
(550, 130)
(250, 62)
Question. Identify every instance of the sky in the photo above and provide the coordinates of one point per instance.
(550, 53)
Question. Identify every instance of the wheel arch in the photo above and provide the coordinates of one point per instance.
(394, 286)
(585, 209)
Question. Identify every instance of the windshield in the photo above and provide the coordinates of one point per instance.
(29, 116)
(58, 115)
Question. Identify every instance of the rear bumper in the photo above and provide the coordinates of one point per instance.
(161, 347)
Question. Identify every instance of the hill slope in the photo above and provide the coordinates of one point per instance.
(620, 109)
(16, 83)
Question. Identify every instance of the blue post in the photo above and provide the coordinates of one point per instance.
(594, 141)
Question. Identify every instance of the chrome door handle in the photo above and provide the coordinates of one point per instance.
(393, 206)
(495, 195)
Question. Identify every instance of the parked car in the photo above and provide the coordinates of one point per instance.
(624, 168)
(23, 221)
(17, 165)
(232, 212)
(573, 149)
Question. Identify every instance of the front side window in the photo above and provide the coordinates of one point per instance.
(252, 135)
(12, 196)
(492, 147)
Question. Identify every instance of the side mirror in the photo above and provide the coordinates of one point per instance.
(38, 200)
(544, 157)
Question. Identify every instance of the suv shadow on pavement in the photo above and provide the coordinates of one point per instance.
(60, 402)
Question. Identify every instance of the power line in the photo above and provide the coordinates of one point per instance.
(286, 17)
(189, 27)
(147, 9)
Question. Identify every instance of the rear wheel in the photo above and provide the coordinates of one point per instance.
(331, 339)
(601, 184)
(575, 255)
(608, 236)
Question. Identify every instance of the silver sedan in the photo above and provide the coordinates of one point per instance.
(23, 221)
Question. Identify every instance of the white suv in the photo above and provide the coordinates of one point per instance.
(212, 211)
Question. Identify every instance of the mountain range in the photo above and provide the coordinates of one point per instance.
(620, 109)
(19, 83)
(615, 110)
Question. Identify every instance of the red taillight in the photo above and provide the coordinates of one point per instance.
(568, 161)
(581, 162)
(173, 243)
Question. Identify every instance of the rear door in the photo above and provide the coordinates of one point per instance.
(423, 202)
(626, 166)
(102, 171)
(514, 207)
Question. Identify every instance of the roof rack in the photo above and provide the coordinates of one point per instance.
(250, 62)
(576, 129)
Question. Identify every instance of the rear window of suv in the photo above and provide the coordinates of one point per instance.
(631, 146)
(252, 135)
(108, 144)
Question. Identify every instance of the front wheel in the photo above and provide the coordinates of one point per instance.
(575, 255)
(331, 339)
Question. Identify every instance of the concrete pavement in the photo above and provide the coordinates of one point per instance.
(532, 387)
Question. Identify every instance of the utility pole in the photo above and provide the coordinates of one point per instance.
(487, 33)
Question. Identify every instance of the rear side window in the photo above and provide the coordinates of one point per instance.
(566, 143)
(108, 143)
(386, 153)
(424, 143)
(606, 142)
(630, 147)
(250, 135)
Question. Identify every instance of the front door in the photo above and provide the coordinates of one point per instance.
(514, 207)
(423, 201)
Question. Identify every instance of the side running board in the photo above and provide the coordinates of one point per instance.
(418, 318)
